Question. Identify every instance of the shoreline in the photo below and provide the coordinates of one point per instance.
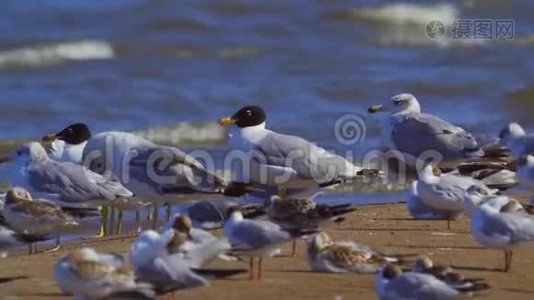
(386, 227)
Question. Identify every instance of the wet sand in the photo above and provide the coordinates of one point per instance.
(385, 227)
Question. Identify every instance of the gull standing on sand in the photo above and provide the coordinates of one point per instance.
(67, 184)
(421, 211)
(36, 218)
(8, 240)
(159, 173)
(517, 140)
(392, 284)
(68, 144)
(250, 238)
(500, 222)
(325, 255)
(303, 213)
(411, 132)
(209, 215)
(89, 274)
(444, 192)
(286, 161)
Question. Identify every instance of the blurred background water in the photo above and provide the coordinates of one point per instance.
(140, 65)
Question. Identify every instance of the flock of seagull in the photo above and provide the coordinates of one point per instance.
(86, 175)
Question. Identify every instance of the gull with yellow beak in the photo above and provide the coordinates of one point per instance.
(286, 161)
(412, 132)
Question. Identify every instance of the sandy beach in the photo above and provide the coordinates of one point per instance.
(386, 227)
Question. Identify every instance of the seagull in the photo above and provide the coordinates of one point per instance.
(501, 223)
(286, 161)
(392, 284)
(68, 144)
(251, 238)
(325, 255)
(88, 273)
(303, 213)
(209, 215)
(66, 184)
(8, 240)
(37, 218)
(525, 173)
(444, 191)
(196, 236)
(166, 261)
(425, 265)
(515, 138)
(406, 122)
(156, 172)
(420, 211)
(151, 245)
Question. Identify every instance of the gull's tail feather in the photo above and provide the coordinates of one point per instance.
(209, 251)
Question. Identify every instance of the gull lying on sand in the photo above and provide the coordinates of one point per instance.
(37, 218)
(325, 255)
(500, 222)
(426, 265)
(90, 274)
(406, 121)
(392, 284)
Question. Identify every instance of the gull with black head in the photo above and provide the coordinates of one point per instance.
(68, 144)
(287, 161)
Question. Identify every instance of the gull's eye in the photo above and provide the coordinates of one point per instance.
(19, 152)
(249, 113)
(398, 102)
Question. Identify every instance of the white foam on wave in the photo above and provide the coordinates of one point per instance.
(186, 133)
(42, 55)
(406, 24)
(409, 14)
